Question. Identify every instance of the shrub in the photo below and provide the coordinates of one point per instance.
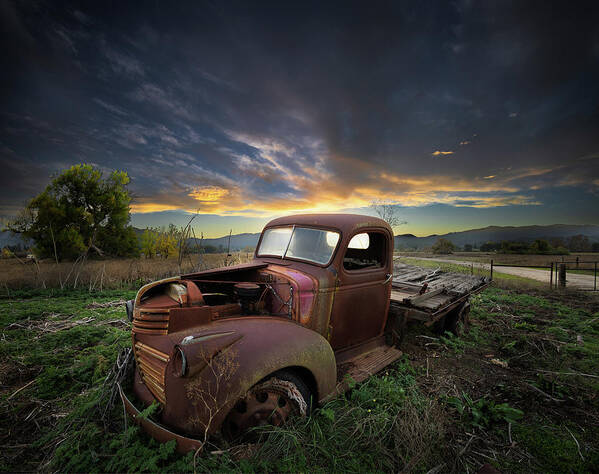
(443, 246)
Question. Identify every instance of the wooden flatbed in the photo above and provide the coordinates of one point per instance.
(427, 294)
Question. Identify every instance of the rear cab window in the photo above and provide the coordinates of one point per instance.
(365, 251)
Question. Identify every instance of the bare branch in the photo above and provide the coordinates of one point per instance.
(387, 211)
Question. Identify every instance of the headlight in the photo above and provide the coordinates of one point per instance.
(179, 363)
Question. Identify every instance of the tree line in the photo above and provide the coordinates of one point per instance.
(556, 246)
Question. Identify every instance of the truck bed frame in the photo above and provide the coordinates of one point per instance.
(426, 295)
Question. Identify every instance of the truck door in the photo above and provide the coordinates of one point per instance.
(364, 285)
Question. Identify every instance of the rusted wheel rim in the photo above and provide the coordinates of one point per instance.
(261, 406)
(463, 326)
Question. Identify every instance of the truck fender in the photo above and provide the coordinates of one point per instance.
(240, 353)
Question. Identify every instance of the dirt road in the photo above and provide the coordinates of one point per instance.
(574, 280)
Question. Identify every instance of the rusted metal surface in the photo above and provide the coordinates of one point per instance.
(224, 270)
(159, 433)
(363, 365)
(352, 305)
(206, 341)
(270, 402)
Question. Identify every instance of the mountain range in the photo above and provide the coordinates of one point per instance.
(477, 237)
(474, 237)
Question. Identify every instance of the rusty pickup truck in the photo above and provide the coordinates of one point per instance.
(228, 349)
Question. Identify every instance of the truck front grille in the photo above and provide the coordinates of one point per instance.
(150, 322)
(152, 368)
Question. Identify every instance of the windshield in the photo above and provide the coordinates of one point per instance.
(302, 243)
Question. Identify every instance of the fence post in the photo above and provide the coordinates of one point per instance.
(492, 270)
(562, 275)
(577, 263)
(551, 276)
(595, 288)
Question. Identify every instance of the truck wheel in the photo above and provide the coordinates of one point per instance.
(270, 402)
(458, 320)
(396, 330)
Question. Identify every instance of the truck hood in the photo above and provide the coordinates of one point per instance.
(255, 265)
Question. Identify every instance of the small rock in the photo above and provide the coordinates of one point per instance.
(500, 363)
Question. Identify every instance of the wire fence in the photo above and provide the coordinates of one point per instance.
(583, 273)
(577, 267)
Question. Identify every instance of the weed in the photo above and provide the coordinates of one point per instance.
(453, 342)
(484, 413)
(556, 447)
(381, 424)
(57, 349)
(525, 325)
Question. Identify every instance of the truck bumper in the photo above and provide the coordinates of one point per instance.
(158, 432)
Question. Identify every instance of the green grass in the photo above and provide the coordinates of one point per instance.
(551, 342)
(404, 417)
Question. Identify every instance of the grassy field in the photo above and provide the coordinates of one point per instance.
(513, 259)
(519, 391)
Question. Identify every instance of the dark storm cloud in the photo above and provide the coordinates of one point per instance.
(236, 107)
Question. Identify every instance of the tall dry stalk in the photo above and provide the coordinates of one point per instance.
(210, 396)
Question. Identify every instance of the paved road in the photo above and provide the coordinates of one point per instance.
(572, 279)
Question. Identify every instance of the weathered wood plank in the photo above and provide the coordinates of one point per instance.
(443, 287)
(418, 299)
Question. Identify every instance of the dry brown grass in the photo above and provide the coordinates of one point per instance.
(101, 274)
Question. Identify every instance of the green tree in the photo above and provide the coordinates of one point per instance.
(443, 246)
(168, 241)
(149, 241)
(540, 246)
(78, 212)
(579, 243)
(163, 242)
(490, 246)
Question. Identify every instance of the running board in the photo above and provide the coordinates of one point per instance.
(361, 367)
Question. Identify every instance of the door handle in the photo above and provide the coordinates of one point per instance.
(389, 276)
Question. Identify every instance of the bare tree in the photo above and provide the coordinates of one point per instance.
(388, 212)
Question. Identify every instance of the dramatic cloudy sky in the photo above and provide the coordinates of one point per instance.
(463, 114)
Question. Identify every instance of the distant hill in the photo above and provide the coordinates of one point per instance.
(497, 234)
(474, 236)
(238, 241)
(408, 241)
(10, 239)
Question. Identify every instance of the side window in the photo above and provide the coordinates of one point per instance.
(365, 251)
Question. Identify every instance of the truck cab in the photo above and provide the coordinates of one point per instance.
(230, 348)
(348, 259)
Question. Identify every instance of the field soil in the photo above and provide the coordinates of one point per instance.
(574, 280)
(518, 391)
